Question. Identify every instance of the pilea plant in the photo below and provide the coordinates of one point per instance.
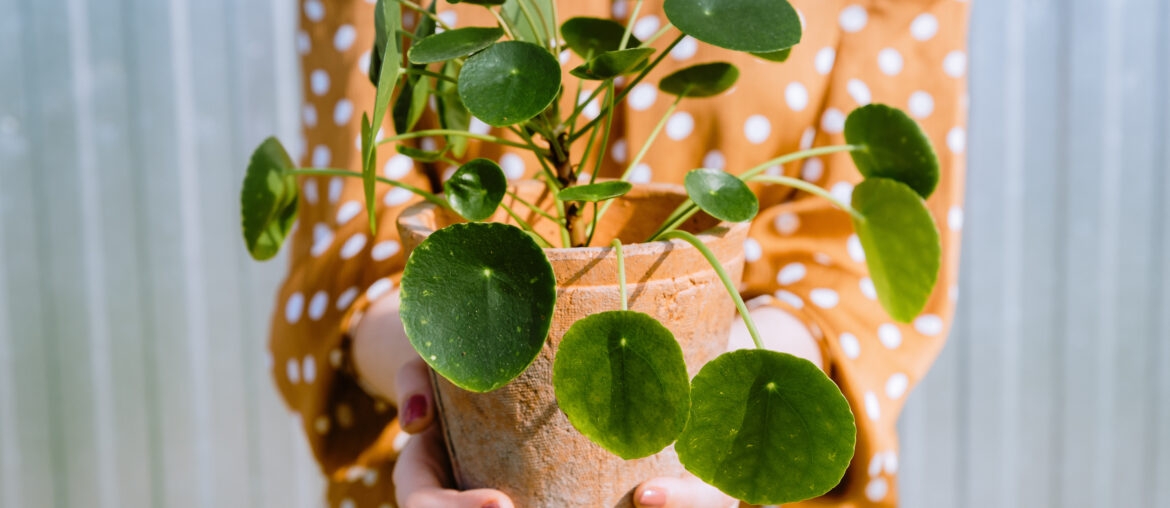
(478, 298)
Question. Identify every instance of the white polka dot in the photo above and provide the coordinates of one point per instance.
(479, 126)
(791, 274)
(397, 196)
(564, 56)
(314, 10)
(891, 464)
(680, 125)
(348, 211)
(319, 82)
(619, 152)
(859, 91)
(342, 112)
(335, 186)
(890, 336)
(294, 307)
(714, 160)
(364, 62)
(928, 324)
(812, 170)
(309, 370)
(876, 489)
(873, 410)
(824, 298)
(309, 115)
(370, 478)
(398, 166)
(808, 137)
(955, 218)
(896, 385)
(853, 18)
(641, 173)
(345, 299)
(822, 258)
(921, 104)
(842, 191)
(957, 140)
(310, 190)
(790, 298)
(850, 345)
(428, 144)
(642, 97)
(924, 26)
(383, 250)
(955, 64)
(752, 250)
(318, 304)
(343, 39)
(867, 288)
(292, 370)
(824, 60)
(321, 156)
(875, 463)
(321, 425)
(449, 17)
(890, 61)
(353, 246)
(774, 170)
(646, 26)
(378, 288)
(796, 95)
(685, 49)
(304, 44)
(833, 121)
(757, 128)
(513, 165)
(322, 239)
(786, 223)
(400, 440)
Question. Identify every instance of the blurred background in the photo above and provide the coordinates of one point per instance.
(132, 323)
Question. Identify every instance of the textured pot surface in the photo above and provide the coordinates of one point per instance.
(516, 439)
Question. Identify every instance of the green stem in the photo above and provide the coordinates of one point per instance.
(580, 106)
(674, 222)
(424, 72)
(727, 283)
(657, 34)
(454, 132)
(630, 25)
(503, 23)
(621, 262)
(527, 227)
(650, 140)
(809, 188)
(592, 226)
(604, 138)
(425, 12)
(341, 172)
(528, 16)
(539, 156)
(803, 154)
(534, 208)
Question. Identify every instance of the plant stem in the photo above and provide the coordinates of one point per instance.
(341, 172)
(548, 172)
(731, 290)
(528, 16)
(527, 227)
(621, 262)
(424, 72)
(809, 188)
(534, 208)
(425, 12)
(803, 154)
(657, 34)
(579, 108)
(604, 138)
(454, 132)
(503, 23)
(630, 25)
(675, 220)
(650, 140)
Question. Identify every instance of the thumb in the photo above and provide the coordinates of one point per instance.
(687, 492)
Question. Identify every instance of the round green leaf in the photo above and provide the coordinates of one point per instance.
(595, 191)
(721, 195)
(895, 147)
(453, 44)
(477, 300)
(268, 199)
(509, 82)
(742, 25)
(621, 379)
(703, 80)
(767, 428)
(476, 189)
(901, 243)
(590, 37)
(612, 64)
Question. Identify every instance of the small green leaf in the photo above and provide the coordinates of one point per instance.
(703, 80)
(391, 23)
(509, 82)
(612, 64)
(477, 300)
(590, 37)
(620, 378)
(756, 26)
(895, 147)
(594, 192)
(453, 44)
(369, 171)
(901, 243)
(419, 154)
(268, 200)
(410, 104)
(721, 195)
(767, 428)
(452, 113)
(476, 189)
(775, 56)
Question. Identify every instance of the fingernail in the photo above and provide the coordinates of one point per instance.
(416, 407)
(652, 497)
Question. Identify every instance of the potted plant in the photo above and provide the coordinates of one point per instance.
(517, 296)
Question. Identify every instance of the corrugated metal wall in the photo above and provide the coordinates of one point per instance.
(131, 323)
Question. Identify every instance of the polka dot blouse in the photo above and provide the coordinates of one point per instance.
(802, 253)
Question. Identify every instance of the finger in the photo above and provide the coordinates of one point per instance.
(416, 409)
(687, 492)
(447, 498)
(421, 473)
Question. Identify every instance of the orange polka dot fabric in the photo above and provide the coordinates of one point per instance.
(802, 253)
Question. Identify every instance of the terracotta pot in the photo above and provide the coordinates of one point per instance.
(515, 438)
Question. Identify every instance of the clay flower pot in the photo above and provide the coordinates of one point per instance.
(515, 438)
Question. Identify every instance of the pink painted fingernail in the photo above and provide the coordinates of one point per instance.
(652, 497)
(416, 407)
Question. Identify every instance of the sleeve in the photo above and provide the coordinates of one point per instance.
(803, 254)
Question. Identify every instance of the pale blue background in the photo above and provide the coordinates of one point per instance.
(131, 323)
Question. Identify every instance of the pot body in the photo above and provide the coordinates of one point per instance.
(515, 438)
